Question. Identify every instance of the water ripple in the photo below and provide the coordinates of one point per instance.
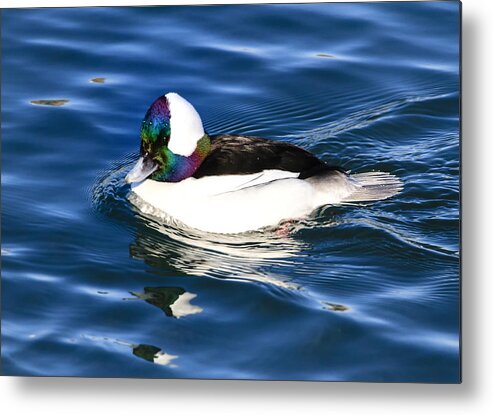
(95, 288)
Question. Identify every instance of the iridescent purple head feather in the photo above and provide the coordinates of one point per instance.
(173, 141)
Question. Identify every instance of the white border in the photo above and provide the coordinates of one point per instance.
(86, 3)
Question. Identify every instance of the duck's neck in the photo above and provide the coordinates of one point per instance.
(178, 167)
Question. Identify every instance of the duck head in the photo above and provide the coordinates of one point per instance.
(173, 142)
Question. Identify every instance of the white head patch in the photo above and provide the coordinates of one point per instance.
(185, 125)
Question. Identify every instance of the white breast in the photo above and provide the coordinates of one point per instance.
(231, 203)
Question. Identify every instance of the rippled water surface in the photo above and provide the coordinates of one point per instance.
(91, 287)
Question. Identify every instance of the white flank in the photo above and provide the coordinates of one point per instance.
(240, 203)
(185, 125)
(214, 203)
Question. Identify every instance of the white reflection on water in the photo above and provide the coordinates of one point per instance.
(147, 352)
(174, 301)
(182, 306)
(248, 256)
(164, 359)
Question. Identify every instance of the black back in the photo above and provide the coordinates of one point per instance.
(235, 154)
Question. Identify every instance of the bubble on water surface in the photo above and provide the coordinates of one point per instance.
(325, 55)
(50, 102)
(98, 80)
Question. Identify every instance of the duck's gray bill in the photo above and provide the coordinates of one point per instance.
(144, 167)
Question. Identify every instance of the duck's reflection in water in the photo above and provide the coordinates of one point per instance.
(174, 301)
(153, 354)
(147, 352)
(255, 256)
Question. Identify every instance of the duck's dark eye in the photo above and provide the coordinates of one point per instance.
(146, 147)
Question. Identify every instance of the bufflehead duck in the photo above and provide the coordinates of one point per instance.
(231, 183)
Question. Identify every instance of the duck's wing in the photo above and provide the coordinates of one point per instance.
(235, 154)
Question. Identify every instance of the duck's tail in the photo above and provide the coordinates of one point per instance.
(372, 186)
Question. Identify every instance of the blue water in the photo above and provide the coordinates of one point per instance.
(90, 287)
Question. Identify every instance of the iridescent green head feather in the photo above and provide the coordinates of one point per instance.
(173, 142)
